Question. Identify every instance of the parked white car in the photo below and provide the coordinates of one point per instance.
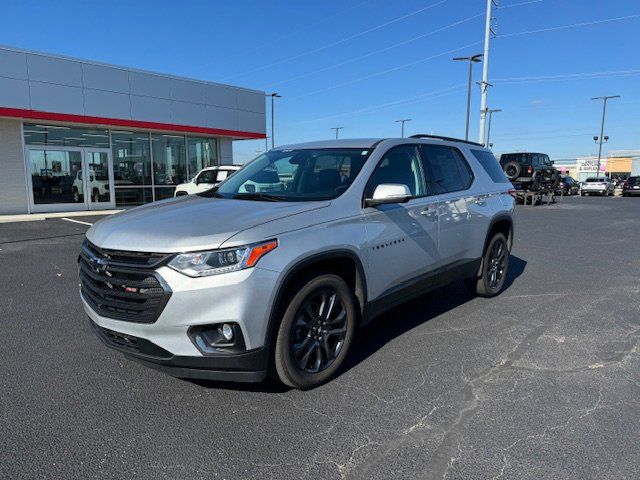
(98, 185)
(597, 186)
(207, 179)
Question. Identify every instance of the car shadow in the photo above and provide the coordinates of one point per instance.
(384, 328)
(381, 330)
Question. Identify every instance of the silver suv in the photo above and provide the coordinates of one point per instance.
(273, 270)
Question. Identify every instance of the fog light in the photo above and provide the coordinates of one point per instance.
(227, 332)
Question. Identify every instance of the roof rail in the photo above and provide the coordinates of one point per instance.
(448, 139)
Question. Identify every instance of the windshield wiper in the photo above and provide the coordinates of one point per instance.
(259, 196)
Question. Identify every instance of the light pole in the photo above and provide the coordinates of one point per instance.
(604, 111)
(490, 112)
(473, 59)
(337, 129)
(402, 122)
(273, 122)
(488, 31)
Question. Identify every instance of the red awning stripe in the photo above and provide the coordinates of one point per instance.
(119, 122)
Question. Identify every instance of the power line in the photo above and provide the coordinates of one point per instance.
(573, 25)
(384, 72)
(571, 76)
(341, 41)
(374, 108)
(385, 49)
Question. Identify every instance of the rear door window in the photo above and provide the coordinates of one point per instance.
(490, 165)
(445, 168)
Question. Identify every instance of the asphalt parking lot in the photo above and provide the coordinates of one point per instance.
(540, 382)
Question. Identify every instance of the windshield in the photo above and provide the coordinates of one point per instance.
(295, 175)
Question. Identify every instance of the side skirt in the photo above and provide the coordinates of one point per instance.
(419, 286)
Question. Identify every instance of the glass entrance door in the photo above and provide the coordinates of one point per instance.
(64, 178)
(98, 178)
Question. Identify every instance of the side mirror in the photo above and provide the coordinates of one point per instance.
(388, 193)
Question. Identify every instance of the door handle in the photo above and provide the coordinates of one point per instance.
(429, 211)
(480, 203)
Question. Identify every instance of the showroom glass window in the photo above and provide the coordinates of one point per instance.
(131, 168)
(201, 153)
(169, 164)
(56, 175)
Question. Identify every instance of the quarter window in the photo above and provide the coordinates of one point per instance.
(490, 165)
(446, 169)
(399, 165)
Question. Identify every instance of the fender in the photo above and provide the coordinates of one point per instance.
(290, 272)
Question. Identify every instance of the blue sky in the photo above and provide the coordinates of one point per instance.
(362, 64)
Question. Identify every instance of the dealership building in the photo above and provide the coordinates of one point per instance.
(81, 135)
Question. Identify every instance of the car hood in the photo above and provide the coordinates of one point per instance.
(188, 223)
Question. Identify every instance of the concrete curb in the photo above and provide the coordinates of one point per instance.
(33, 217)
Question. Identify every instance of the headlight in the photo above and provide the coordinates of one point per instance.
(214, 262)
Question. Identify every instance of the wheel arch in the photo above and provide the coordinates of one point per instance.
(501, 223)
(342, 262)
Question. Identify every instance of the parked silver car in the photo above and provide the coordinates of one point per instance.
(233, 283)
(597, 186)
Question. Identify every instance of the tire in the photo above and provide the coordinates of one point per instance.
(485, 286)
(306, 326)
(512, 170)
(556, 181)
(181, 194)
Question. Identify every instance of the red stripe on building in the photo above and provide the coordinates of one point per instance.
(119, 122)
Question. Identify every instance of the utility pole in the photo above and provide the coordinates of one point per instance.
(337, 129)
(490, 112)
(604, 111)
(273, 121)
(402, 122)
(473, 59)
(266, 143)
(485, 70)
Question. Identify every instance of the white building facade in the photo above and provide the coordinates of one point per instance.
(80, 135)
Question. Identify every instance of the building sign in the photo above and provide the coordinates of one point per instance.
(591, 164)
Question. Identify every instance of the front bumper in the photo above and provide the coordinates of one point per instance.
(249, 366)
(243, 297)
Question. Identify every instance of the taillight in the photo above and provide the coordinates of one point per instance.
(513, 193)
(529, 170)
(626, 183)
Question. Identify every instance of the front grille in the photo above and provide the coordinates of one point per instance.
(123, 285)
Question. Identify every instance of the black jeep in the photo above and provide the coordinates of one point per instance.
(530, 171)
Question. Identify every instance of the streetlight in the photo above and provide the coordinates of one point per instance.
(602, 136)
(473, 59)
(490, 112)
(402, 122)
(273, 132)
(337, 129)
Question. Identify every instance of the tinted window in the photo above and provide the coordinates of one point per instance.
(401, 165)
(634, 180)
(295, 175)
(208, 176)
(490, 165)
(446, 169)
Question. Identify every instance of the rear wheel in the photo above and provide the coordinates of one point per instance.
(495, 265)
(316, 332)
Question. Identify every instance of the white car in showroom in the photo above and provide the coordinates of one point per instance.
(207, 179)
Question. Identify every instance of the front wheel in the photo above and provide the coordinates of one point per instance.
(495, 265)
(316, 332)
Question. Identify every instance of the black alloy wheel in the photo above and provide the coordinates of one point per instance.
(316, 331)
(319, 331)
(496, 268)
(495, 265)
